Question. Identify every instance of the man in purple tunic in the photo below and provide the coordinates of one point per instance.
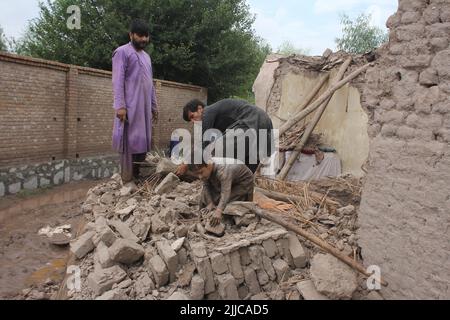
(134, 101)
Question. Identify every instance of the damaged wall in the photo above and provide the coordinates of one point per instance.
(404, 216)
(344, 123)
(265, 80)
(404, 107)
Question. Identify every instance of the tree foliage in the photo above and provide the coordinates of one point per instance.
(359, 36)
(205, 42)
(287, 48)
(3, 41)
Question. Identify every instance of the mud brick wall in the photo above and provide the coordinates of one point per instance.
(172, 97)
(251, 267)
(405, 210)
(52, 111)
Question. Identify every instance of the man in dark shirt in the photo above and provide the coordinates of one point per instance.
(223, 184)
(230, 114)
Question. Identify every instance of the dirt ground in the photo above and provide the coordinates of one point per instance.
(26, 258)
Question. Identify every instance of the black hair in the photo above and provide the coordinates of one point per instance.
(140, 27)
(192, 106)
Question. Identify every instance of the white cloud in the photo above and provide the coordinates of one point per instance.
(379, 7)
(379, 15)
(326, 6)
(14, 16)
(277, 28)
(317, 29)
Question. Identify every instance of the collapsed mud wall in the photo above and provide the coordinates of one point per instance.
(283, 85)
(405, 211)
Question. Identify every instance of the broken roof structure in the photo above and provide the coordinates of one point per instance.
(391, 126)
(286, 86)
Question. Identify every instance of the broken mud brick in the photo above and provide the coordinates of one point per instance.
(218, 231)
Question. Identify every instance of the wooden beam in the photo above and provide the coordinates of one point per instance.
(310, 237)
(288, 198)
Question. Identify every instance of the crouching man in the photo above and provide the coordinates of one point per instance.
(223, 184)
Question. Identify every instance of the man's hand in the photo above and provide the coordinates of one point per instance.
(122, 114)
(182, 169)
(206, 211)
(216, 218)
(155, 115)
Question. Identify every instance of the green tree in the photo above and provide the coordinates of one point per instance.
(205, 42)
(287, 48)
(359, 36)
(3, 41)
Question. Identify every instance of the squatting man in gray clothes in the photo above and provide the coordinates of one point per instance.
(223, 184)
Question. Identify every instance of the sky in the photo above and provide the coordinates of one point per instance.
(307, 24)
(313, 24)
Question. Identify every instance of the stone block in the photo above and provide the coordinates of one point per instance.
(169, 256)
(270, 247)
(309, 292)
(282, 270)
(168, 184)
(197, 288)
(297, 251)
(205, 271)
(103, 280)
(227, 287)
(251, 281)
(159, 270)
(126, 251)
(124, 231)
(218, 263)
(332, 277)
(83, 245)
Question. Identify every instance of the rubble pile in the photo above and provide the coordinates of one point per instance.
(152, 246)
(326, 208)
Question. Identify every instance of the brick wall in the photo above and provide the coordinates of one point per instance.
(172, 99)
(52, 111)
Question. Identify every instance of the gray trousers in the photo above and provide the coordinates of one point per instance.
(238, 193)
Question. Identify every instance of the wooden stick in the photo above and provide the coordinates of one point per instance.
(301, 115)
(279, 118)
(288, 198)
(314, 239)
(312, 125)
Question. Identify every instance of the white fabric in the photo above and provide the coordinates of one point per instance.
(306, 167)
(270, 170)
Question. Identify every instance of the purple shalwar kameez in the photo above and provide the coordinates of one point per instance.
(133, 90)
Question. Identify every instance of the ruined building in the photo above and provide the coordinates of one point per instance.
(390, 125)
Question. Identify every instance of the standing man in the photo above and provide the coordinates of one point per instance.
(134, 101)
